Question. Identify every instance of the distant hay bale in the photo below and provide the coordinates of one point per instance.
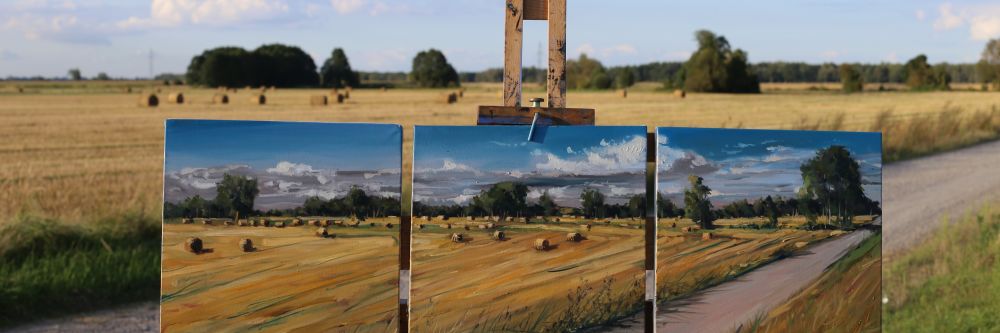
(322, 232)
(588, 226)
(680, 93)
(388, 225)
(149, 100)
(227, 222)
(317, 100)
(490, 226)
(467, 227)
(21, 90)
(279, 224)
(707, 236)
(482, 226)
(258, 99)
(427, 218)
(175, 98)
(460, 93)
(446, 225)
(499, 235)
(457, 238)
(421, 226)
(325, 223)
(574, 237)
(297, 222)
(186, 221)
(242, 223)
(451, 98)
(508, 219)
(522, 219)
(246, 245)
(220, 99)
(623, 93)
(194, 245)
(471, 218)
(315, 223)
(340, 98)
(206, 222)
(542, 244)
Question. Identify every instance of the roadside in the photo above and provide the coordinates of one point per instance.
(132, 318)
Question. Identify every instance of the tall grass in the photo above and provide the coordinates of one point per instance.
(49, 268)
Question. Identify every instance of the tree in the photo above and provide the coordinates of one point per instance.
(236, 194)
(432, 70)
(592, 202)
(502, 199)
(715, 67)
(833, 179)
(102, 77)
(850, 79)
(988, 68)
(696, 204)
(771, 212)
(284, 66)
(637, 205)
(336, 71)
(357, 202)
(548, 206)
(222, 67)
(74, 74)
(625, 78)
(919, 75)
(667, 208)
(586, 73)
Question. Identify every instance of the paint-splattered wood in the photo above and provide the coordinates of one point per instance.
(514, 32)
(556, 77)
(508, 115)
(537, 10)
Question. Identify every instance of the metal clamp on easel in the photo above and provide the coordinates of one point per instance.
(555, 113)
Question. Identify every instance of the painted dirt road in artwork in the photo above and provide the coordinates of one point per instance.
(292, 229)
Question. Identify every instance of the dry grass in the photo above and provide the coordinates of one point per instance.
(81, 151)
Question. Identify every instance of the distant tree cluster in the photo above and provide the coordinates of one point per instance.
(988, 67)
(432, 70)
(510, 199)
(356, 203)
(920, 75)
(716, 67)
(337, 73)
(850, 79)
(269, 65)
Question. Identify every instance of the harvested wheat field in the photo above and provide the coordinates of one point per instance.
(291, 280)
(485, 285)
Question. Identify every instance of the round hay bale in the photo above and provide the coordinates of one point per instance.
(470, 218)
(680, 93)
(175, 98)
(457, 238)
(194, 245)
(242, 223)
(279, 224)
(340, 98)
(482, 226)
(258, 99)
(21, 90)
(451, 98)
(446, 225)
(220, 99)
(326, 223)
(460, 93)
(467, 227)
(186, 221)
(388, 225)
(499, 235)
(227, 222)
(508, 219)
(322, 232)
(623, 93)
(347, 93)
(522, 219)
(317, 100)
(542, 244)
(315, 223)
(206, 222)
(588, 226)
(297, 222)
(246, 245)
(574, 237)
(490, 226)
(421, 226)
(707, 236)
(149, 100)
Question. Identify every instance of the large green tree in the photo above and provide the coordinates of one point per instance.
(549, 206)
(357, 202)
(592, 202)
(920, 75)
(285, 66)
(222, 67)
(716, 67)
(502, 199)
(235, 194)
(587, 73)
(988, 68)
(832, 178)
(432, 70)
(851, 79)
(697, 207)
(336, 71)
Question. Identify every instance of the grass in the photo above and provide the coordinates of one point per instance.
(949, 283)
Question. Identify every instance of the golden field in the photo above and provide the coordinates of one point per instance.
(80, 151)
(293, 281)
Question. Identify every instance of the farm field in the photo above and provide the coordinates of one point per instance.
(485, 285)
(353, 275)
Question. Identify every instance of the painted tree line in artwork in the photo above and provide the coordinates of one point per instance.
(510, 199)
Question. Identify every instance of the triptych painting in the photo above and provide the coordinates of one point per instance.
(296, 227)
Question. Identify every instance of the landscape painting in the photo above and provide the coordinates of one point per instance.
(280, 227)
(768, 230)
(512, 235)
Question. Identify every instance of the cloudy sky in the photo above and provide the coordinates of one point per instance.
(291, 161)
(47, 37)
(750, 164)
(454, 163)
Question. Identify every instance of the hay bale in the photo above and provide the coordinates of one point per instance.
(450, 98)
(175, 98)
(686, 229)
(297, 222)
(325, 223)
(446, 225)
(457, 238)
(467, 227)
(680, 93)
(460, 93)
(279, 224)
(258, 99)
(588, 226)
(707, 236)
(315, 223)
(149, 100)
(220, 99)
(542, 244)
(340, 98)
(482, 226)
(317, 100)
(388, 225)
(499, 235)
(623, 93)
(206, 222)
(186, 221)
(21, 90)
(508, 219)
(194, 245)
(522, 219)
(242, 223)
(246, 245)
(266, 223)
(574, 237)
(322, 232)
(347, 93)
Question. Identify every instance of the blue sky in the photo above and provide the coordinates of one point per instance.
(47, 37)
(454, 163)
(292, 161)
(750, 164)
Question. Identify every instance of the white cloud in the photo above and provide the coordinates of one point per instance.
(169, 13)
(286, 168)
(983, 20)
(569, 150)
(947, 18)
(985, 27)
(449, 165)
(608, 157)
(347, 6)
(605, 52)
(920, 14)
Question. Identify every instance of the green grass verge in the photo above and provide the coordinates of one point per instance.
(48, 268)
(951, 282)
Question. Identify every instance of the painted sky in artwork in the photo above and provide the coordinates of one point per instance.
(292, 161)
(749, 164)
(454, 163)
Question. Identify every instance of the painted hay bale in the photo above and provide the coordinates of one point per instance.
(242, 223)
(339, 98)
(588, 226)
(194, 245)
(508, 219)
(686, 229)
(499, 235)
(388, 225)
(246, 245)
(279, 224)
(450, 99)
(318, 100)
(707, 236)
(297, 222)
(186, 221)
(220, 99)
(623, 93)
(460, 93)
(446, 225)
(175, 98)
(574, 237)
(799, 245)
(206, 222)
(542, 244)
(322, 232)
(316, 223)
(457, 238)
(680, 93)
(522, 219)
(258, 99)
(467, 227)
(149, 100)
(227, 222)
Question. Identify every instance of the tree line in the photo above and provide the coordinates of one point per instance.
(510, 199)
(235, 196)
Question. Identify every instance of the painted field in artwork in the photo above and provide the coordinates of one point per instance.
(280, 232)
(519, 236)
(749, 219)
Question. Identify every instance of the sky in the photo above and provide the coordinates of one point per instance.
(751, 164)
(48, 37)
(454, 163)
(291, 161)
